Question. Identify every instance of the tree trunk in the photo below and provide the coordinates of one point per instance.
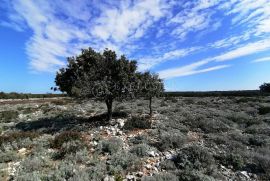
(150, 107)
(109, 103)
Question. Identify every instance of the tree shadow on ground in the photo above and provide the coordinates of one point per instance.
(60, 123)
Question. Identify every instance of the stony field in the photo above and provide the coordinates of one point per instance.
(210, 138)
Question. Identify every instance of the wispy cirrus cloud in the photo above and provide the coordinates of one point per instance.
(265, 59)
(152, 31)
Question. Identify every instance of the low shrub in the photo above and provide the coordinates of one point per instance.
(140, 150)
(63, 137)
(8, 157)
(195, 157)
(124, 162)
(111, 145)
(235, 160)
(69, 147)
(167, 165)
(264, 110)
(137, 122)
(191, 175)
(172, 139)
(17, 136)
(259, 129)
(138, 139)
(161, 177)
(9, 115)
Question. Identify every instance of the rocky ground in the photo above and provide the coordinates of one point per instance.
(207, 138)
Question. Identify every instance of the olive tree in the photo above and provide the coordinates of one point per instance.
(265, 87)
(103, 76)
(150, 86)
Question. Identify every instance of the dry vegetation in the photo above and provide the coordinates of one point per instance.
(188, 138)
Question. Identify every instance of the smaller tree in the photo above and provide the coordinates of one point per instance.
(265, 87)
(150, 86)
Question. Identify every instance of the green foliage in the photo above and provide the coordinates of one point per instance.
(141, 150)
(8, 157)
(265, 87)
(111, 145)
(98, 75)
(8, 116)
(63, 137)
(161, 177)
(17, 136)
(137, 122)
(14, 95)
(195, 157)
(264, 110)
(124, 162)
(170, 140)
(233, 159)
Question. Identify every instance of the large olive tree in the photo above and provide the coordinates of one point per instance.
(103, 76)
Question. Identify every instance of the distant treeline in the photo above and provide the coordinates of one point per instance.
(244, 93)
(14, 95)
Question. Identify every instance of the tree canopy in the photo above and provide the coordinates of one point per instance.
(103, 76)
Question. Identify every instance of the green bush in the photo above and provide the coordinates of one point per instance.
(65, 136)
(195, 157)
(233, 159)
(9, 115)
(264, 110)
(124, 162)
(140, 150)
(137, 122)
(161, 177)
(111, 145)
(171, 139)
(8, 157)
(17, 136)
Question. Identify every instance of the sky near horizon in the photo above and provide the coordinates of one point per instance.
(194, 45)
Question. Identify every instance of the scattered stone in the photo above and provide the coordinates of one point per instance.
(22, 151)
(168, 156)
(245, 174)
(139, 174)
(109, 178)
(130, 177)
(152, 153)
(121, 123)
(148, 166)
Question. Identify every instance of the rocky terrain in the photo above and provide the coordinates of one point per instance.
(210, 138)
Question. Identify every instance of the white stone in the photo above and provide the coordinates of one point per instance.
(121, 122)
(148, 166)
(151, 153)
(22, 151)
(130, 177)
(109, 178)
(245, 174)
(168, 156)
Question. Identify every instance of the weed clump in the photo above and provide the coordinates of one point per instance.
(17, 136)
(9, 115)
(195, 157)
(63, 137)
(137, 122)
(264, 110)
(111, 145)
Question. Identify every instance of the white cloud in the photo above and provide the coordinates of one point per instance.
(61, 28)
(265, 59)
(128, 21)
(149, 62)
(189, 69)
(245, 50)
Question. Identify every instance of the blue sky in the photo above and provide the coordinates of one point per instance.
(194, 45)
